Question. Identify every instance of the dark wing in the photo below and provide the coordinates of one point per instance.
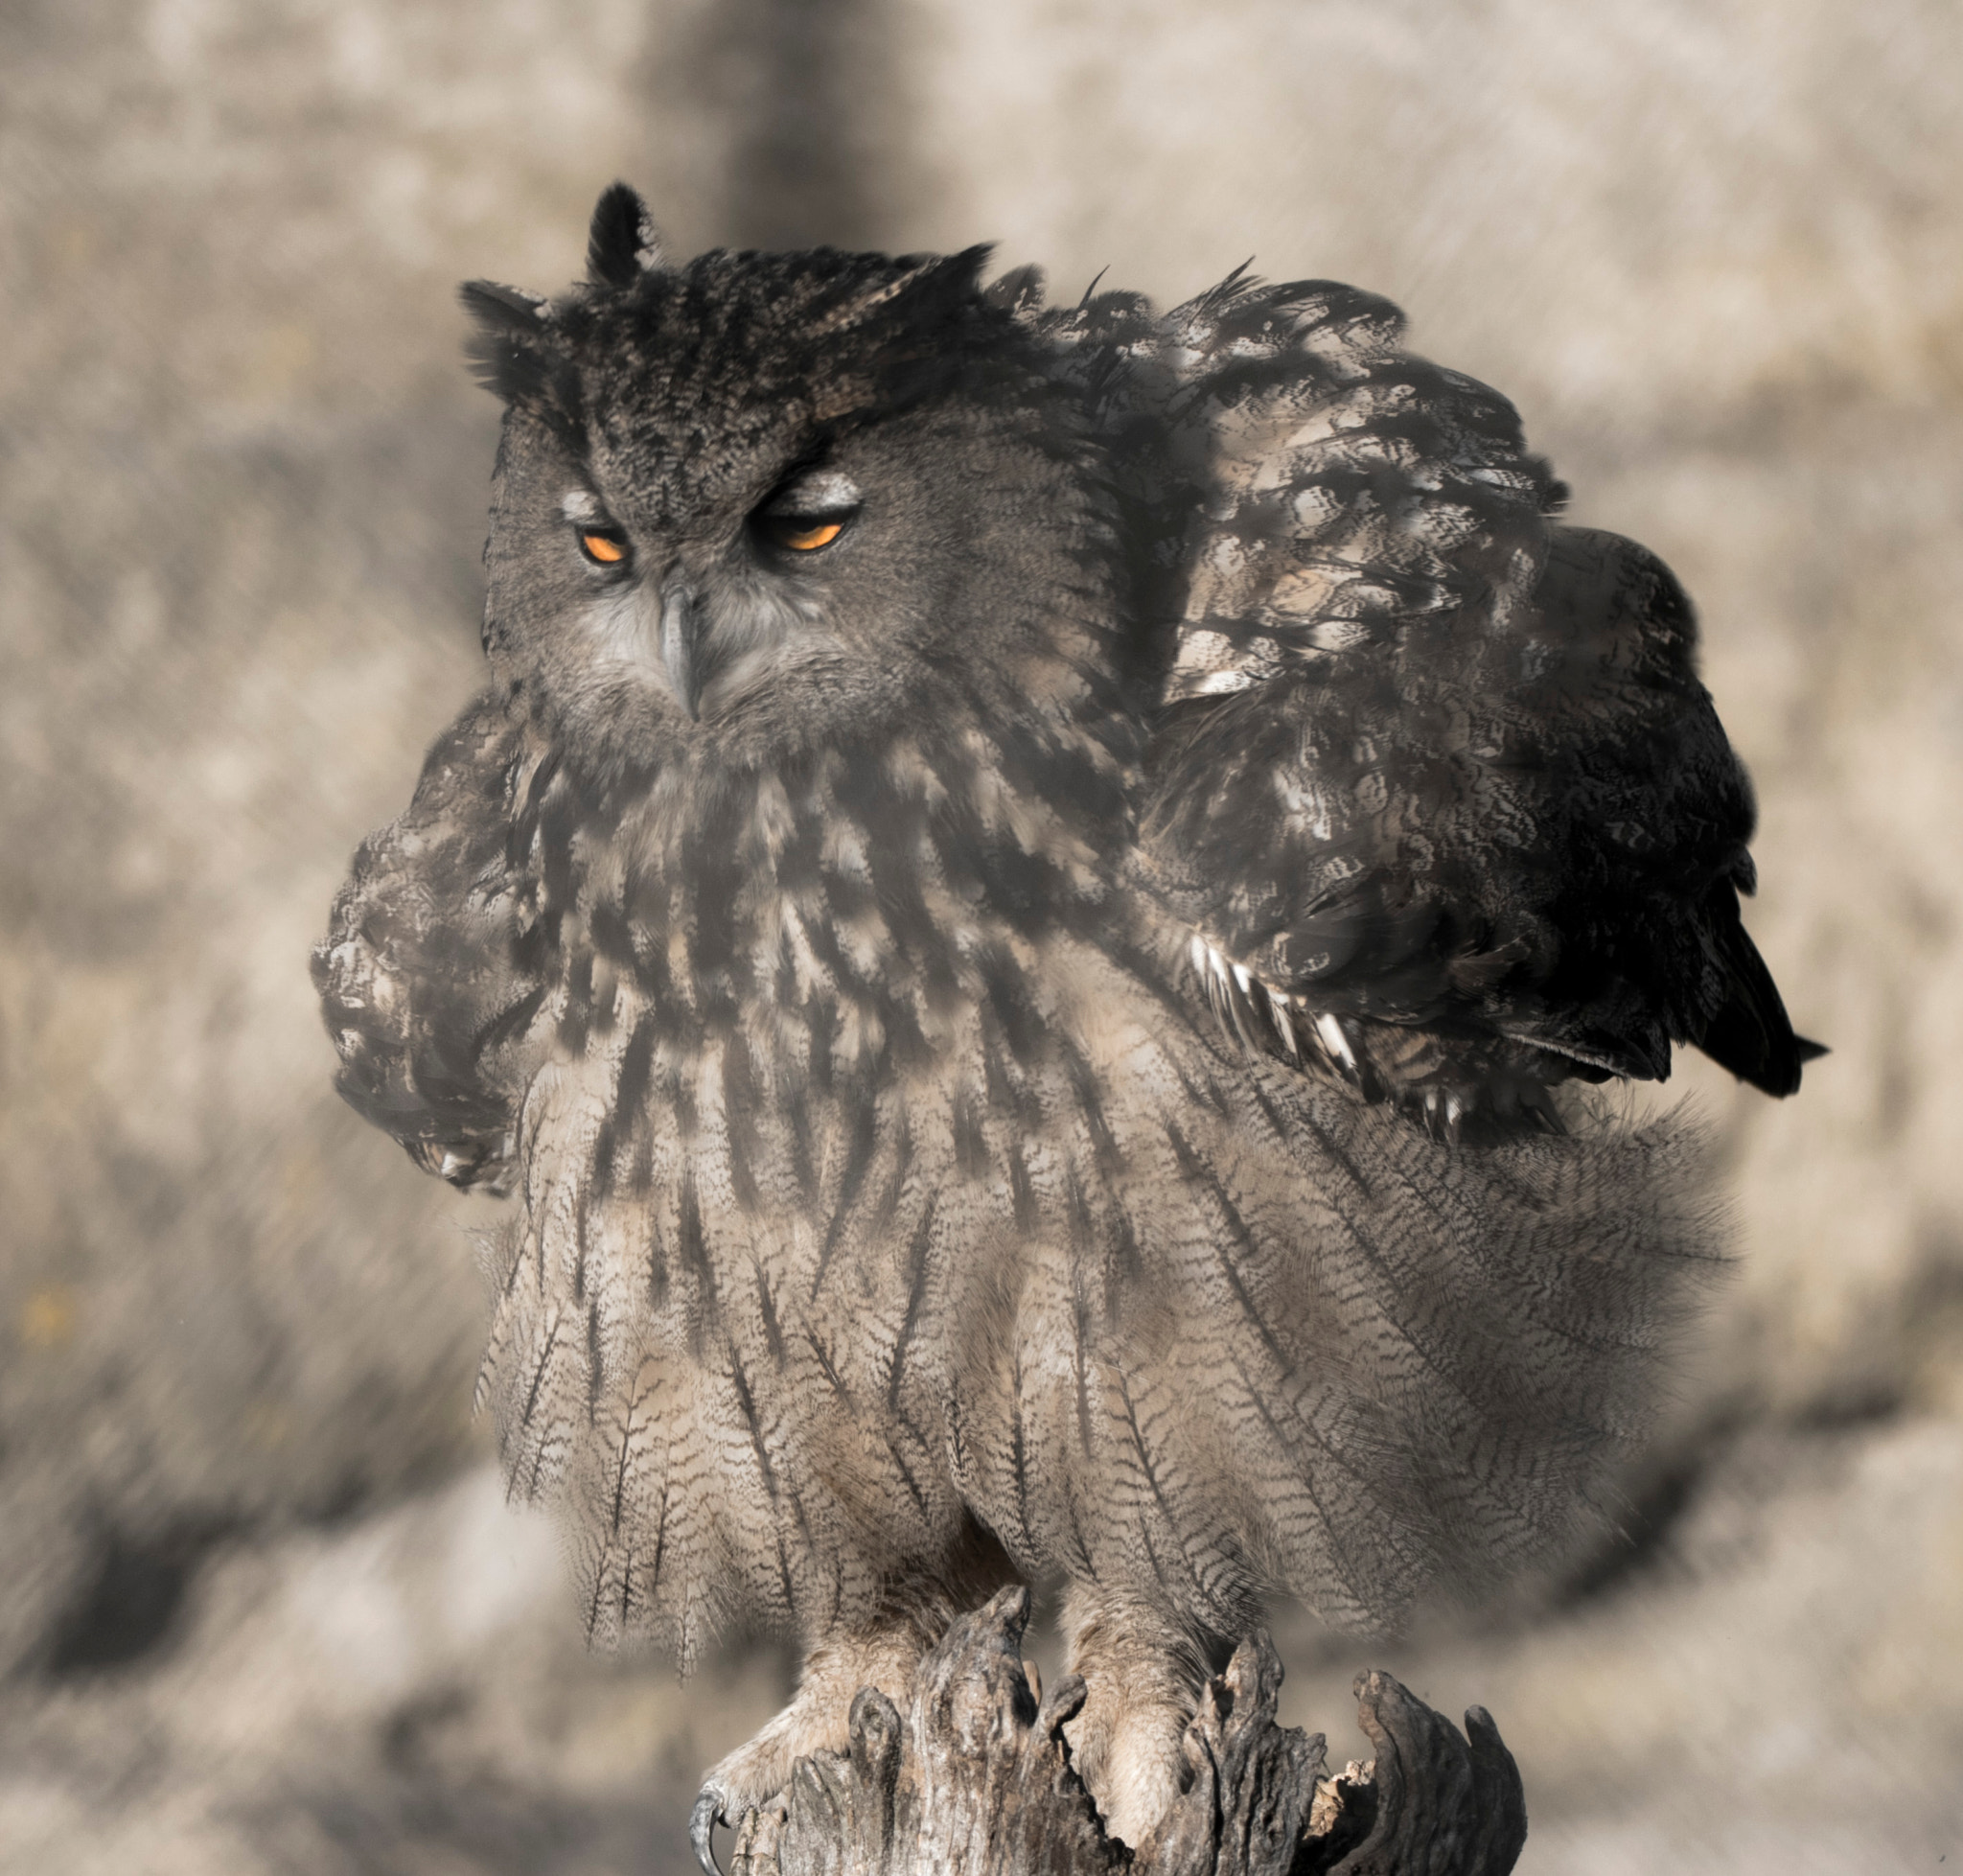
(1435, 773)
(423, 976)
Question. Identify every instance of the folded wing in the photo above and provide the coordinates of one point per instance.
(1432, 780)
(426, 975)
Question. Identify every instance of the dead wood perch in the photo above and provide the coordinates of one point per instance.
(976, 1778)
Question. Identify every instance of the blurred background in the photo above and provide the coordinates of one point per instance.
(261, 1604)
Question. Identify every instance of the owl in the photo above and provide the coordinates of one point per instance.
(1030, 917)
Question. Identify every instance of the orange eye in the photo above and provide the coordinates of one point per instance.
(603, 550)
(808, 539)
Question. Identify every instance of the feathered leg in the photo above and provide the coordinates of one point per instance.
(1143, 1670)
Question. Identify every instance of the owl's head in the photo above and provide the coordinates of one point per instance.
(758, 501)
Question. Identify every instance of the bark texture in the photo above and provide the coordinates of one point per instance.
(976, 1777)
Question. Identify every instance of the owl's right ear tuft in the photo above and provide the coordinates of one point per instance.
(507, 352)
(623, 243)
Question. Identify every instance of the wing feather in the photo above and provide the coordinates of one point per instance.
(1423, 760)
(421, 975)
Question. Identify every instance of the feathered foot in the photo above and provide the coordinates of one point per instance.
(882, 1655)
(882, 1651)
(1142, 1672)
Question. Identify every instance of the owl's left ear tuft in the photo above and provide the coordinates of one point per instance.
(623, 243)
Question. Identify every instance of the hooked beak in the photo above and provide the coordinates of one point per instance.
(678, 637)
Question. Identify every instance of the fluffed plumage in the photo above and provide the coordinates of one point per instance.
(1034, 1035)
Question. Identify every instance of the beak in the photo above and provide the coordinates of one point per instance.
(678, 637)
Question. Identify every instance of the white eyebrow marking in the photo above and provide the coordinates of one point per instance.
(581, 507)
(820, 492)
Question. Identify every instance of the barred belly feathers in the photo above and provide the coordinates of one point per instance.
(1027, 920)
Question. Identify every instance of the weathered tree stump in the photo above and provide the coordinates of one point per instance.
(976, 1777)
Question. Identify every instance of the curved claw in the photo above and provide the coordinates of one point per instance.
(701, 1830)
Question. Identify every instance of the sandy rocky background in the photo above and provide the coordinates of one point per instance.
(261, 1604)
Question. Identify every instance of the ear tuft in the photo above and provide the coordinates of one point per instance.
(507, 352)
(623, 243)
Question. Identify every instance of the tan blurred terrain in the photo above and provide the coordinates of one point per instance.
(262, 1608)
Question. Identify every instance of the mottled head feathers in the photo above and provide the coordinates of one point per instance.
(835, 334)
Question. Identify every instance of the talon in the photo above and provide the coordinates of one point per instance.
(701, 1831)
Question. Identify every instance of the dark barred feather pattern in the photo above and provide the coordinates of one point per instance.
(1032, 1036)
(816, 1259)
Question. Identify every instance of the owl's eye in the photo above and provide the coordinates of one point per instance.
(810, 509)
(793, 535)
(806, 535)
(605, 547)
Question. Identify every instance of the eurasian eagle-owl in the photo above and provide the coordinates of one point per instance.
(1028, 912)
